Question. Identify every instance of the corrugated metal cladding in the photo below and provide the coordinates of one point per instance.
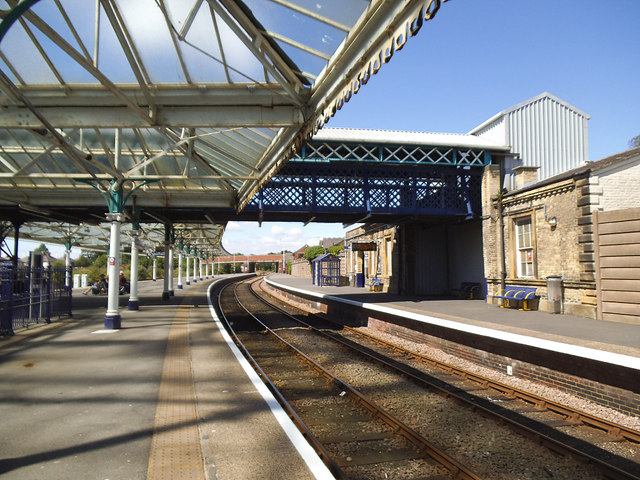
(546, 131)
(550, 135)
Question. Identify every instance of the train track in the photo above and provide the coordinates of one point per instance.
(466, 388)
(354, 437)
(614, 448)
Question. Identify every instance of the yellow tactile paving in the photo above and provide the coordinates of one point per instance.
(175, 447)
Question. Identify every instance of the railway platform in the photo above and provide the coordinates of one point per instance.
(163, 397)
(618, 338)
(597, 360)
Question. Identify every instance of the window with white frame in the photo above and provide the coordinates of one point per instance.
(524, 247)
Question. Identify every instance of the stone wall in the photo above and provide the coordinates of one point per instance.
(561, 221)
(301, 268)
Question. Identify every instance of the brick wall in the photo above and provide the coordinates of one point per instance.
(619, 189)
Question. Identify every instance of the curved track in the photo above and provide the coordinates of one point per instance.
(465, 389)
(354, 436)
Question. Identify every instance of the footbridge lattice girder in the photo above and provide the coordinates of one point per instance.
(372, 189)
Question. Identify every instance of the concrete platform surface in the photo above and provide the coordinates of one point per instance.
(616, 338)
(163, 397)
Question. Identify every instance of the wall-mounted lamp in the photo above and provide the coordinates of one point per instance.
(552, 221)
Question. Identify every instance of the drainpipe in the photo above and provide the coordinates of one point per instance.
(503, 262)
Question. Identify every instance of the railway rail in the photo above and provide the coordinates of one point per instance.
(465, 388)
(354, 437)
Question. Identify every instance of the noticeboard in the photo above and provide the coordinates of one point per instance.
(364, 246)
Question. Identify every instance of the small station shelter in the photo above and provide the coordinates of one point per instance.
(326, 270)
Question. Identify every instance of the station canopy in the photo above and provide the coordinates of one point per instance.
(172, 110)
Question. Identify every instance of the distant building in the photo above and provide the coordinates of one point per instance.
(331, 241)
(298, 254)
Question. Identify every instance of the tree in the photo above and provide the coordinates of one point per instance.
(82, 261)
(336, 249)
(313, 252)
(58, 264)
(100, 261)
(634, 142)
(42, 248)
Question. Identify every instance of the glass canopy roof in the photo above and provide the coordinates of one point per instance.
(181, 107)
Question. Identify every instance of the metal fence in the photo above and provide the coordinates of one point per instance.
(31, 295)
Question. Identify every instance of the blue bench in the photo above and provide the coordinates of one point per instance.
(374, 284)
(468, 290)
(513, 295)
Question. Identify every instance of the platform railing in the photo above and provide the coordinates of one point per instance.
(32, 295)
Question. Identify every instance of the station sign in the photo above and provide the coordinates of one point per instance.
(364, 246)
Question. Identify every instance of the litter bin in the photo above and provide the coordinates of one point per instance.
(360, 280)
(554, 293)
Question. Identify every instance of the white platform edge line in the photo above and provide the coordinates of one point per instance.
(575, 350)
(308, 454)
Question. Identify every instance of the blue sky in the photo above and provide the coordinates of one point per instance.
(477, 58)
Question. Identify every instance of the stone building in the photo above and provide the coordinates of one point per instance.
(551, 228)
(371, 253)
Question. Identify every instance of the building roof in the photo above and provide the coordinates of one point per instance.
(396, 137)
(502, 113)
(587, 168)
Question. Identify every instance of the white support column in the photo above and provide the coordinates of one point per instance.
(195, 264)
(188, 282)
(170, 269)
(112, 319)
(67, 265)
(154, 269)
(167, 258)
(200, 265)
(180, 269)
(133, 281)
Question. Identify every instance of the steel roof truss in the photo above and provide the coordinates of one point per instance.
(259, 46)
(73, 30)
(173, 34)
(299, 45)
(128, 48)
(7, 162)
(224, 163)
(236, 144)
(220, 46)
(11, 67)
(312, 14)
(90, 68)
(203, 162)
(239, 157)
(44, 55)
